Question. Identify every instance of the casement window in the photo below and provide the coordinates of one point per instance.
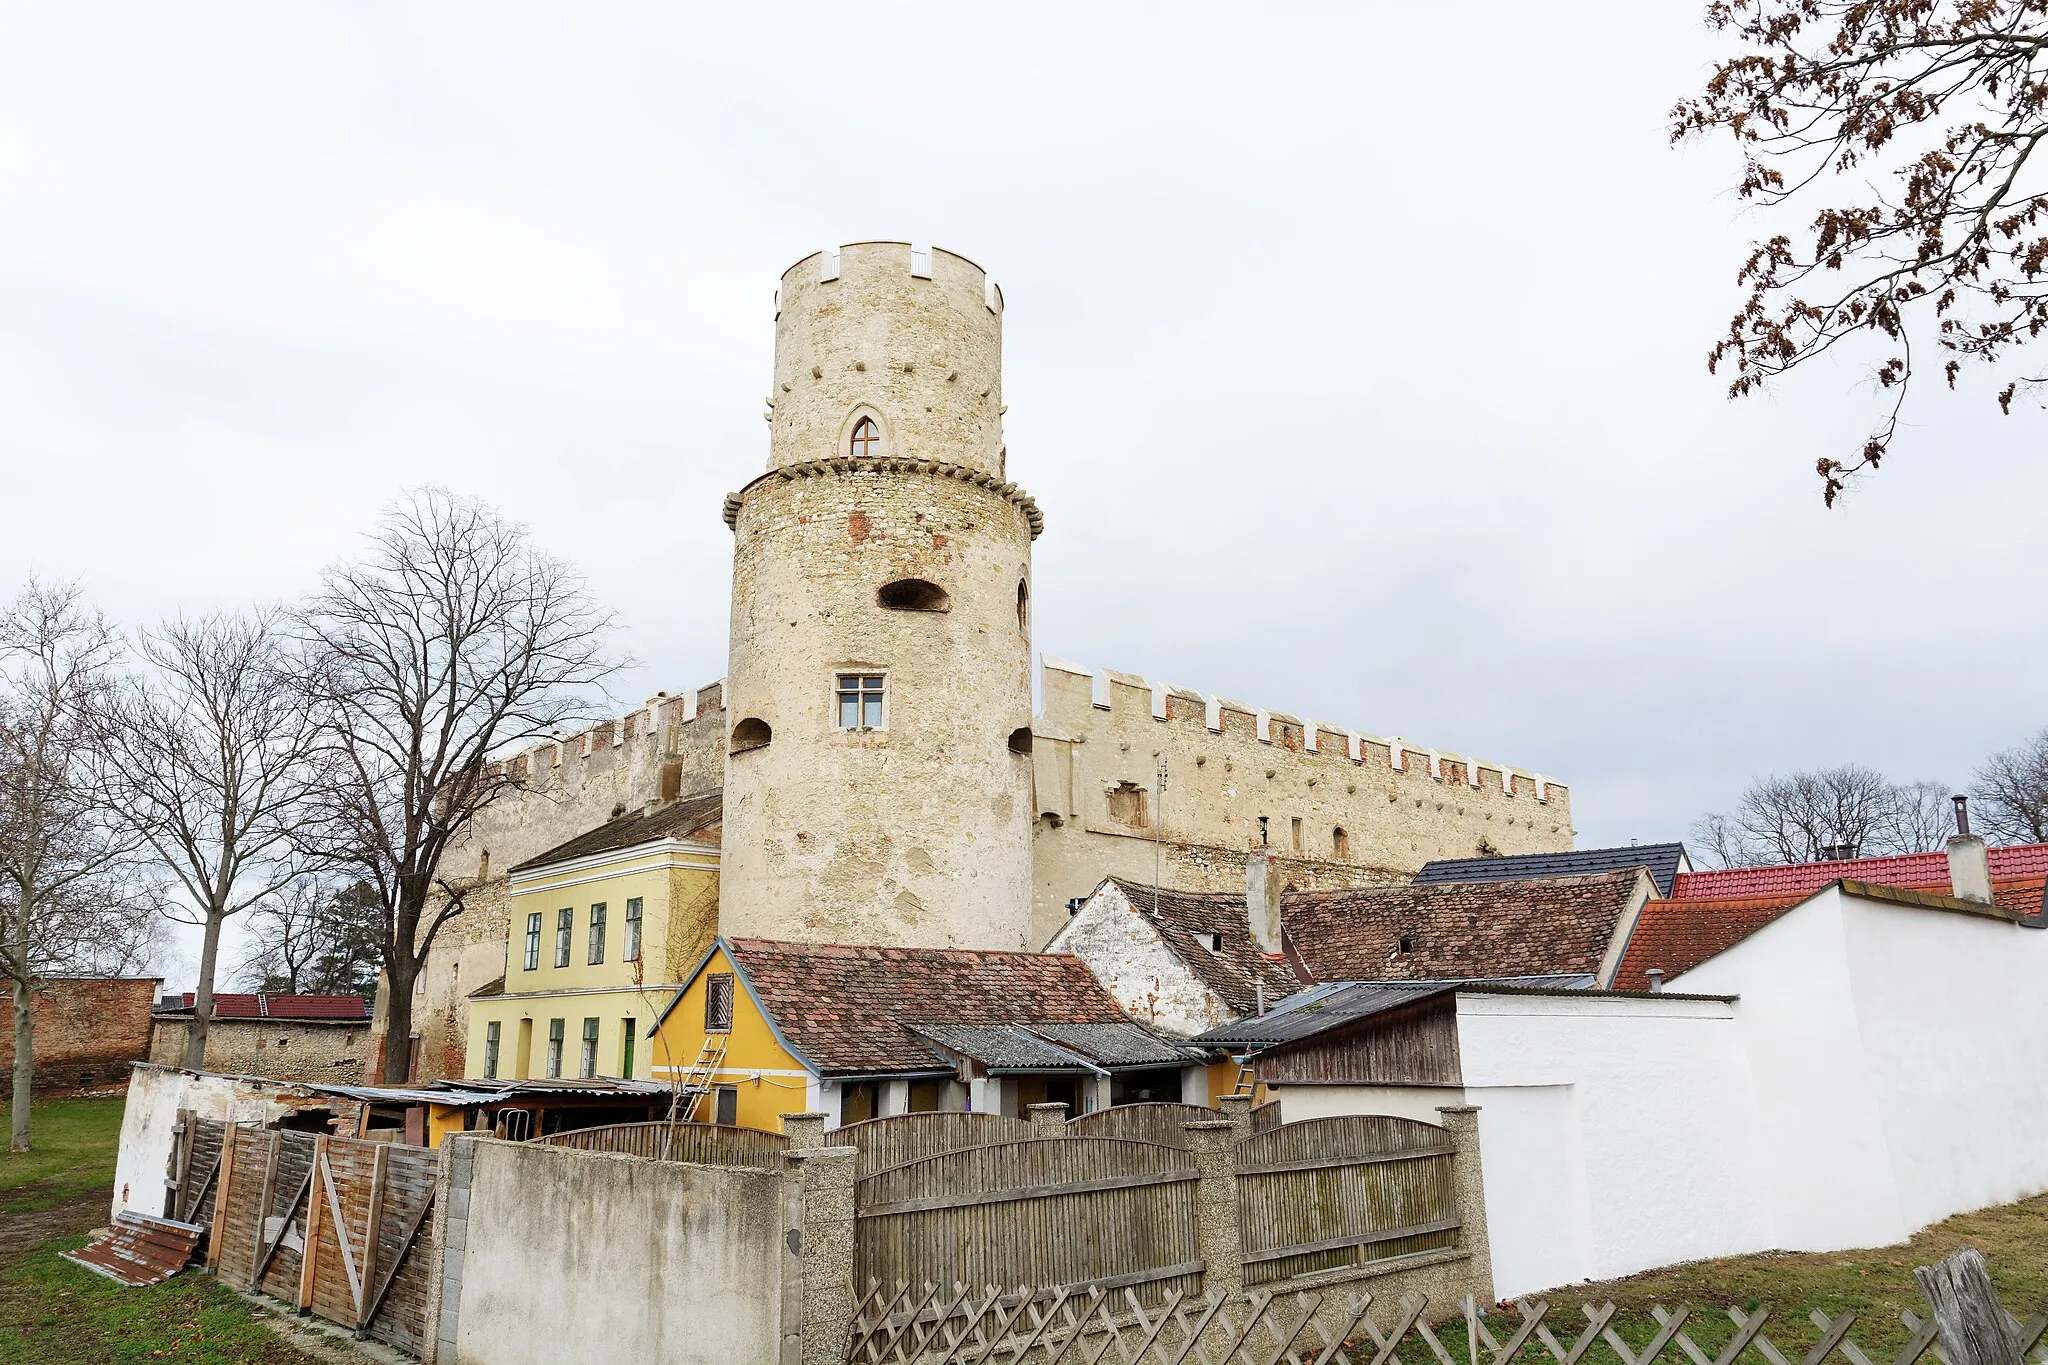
(565, 922)
(626, 1051)
(632, 930)
(554, 1049)
(718, 1003)
(596, 933)
(533, 942)
(861, 697)
(492, 1032)
(725, 1110)
(586, 1064)
(866, 440)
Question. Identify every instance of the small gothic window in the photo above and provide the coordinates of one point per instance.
(867, 438)
(1023, 606)
(914, 594)
(1340, 844)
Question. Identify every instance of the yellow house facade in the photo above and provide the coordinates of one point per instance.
(602, 933)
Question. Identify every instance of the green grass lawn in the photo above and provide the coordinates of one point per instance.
(72, 1154)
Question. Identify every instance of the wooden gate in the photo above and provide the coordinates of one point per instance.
(331, 1225)
(1343, 1191)
(1161, 1123)
(902, 1138)
(1105, 1212)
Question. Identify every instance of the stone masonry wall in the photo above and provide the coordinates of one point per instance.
(87, 1030)
(326, 1050)
(1098, 741)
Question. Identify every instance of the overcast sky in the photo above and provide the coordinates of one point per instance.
(1355, 354)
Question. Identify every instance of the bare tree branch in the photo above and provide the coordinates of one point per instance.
(1848, 811)
(2011, 793)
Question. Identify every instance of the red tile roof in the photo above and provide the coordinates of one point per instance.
(1235, 969)
(1552, 926)
(228, 1006)
(1675, 936)
(1918, 871)
(845, 1007)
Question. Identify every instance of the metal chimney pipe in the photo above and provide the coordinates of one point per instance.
(1656, 975)
(1962, 814)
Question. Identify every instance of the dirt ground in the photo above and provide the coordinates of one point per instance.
(23, 1231)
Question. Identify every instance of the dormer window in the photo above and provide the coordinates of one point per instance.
(867, 439)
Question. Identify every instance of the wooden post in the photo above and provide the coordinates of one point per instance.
(373, 1223)
(309, 1259)
(181, 1165)
(220, 1197)
(1975, 1328)
(1213, 1143)
(263, 1199)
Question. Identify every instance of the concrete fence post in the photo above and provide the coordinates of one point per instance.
(447, 1245)
(804, 1131)
(1047, 1120)
(1461, 1123)
(1213, 1143)
(1237, 1111)
(819, 1260)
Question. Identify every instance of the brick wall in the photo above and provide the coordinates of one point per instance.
(282, 1049)
(87, 1031)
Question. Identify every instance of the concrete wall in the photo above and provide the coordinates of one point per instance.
(87, 1030)
(155, 1095)
(328, 1050)
(1298, 1102)
(1229, 763)
(569, 1256)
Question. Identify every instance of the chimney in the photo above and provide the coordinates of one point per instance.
(1262, 886)
(1656, 976)
(1969, 865)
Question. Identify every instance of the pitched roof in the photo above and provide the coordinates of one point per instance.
(1663, 860)
(1337, 1003)
(1457, 929)
(285, 1006)
(1921, 871)
(1674, 936)
(1233, 970)
(844, 1008)
(693, 817)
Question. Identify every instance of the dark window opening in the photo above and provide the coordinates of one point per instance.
(1023, 606)
(867, 438)
(1020, 740)
(725, 1110)
(751, 733)
(914, 594)
(858, 1102)
(1340, 844)
(718, 1003)
(1404, 944)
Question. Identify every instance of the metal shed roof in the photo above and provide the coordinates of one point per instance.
(1342, 1002)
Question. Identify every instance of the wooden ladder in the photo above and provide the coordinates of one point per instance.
(697, 1081)
(1247, 1079)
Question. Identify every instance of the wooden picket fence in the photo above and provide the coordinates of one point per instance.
(661, 1140)
(1153, 1122)
(1059, 1325)
(912, 1137)
(334, 1226)
(1332, 1192)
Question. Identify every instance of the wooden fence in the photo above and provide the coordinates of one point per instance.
(910, 1137)
(1333, 1192)
(703, 1143)
(1163, 1123)
(195, 1166)
(1109, 1212)
(331, 1225)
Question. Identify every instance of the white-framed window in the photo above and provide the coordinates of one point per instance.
(596, 934)
(632, 930)
(586, 1064)
(533, 942)
(565, 924)
(554, 1049)
(862, 700)
(493, 1031)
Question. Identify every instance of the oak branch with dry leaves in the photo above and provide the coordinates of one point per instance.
(1917, 123)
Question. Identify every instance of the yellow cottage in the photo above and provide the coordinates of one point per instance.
(765, 1028)
(604, 929)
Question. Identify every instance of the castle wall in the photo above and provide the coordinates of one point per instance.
(1097, 745)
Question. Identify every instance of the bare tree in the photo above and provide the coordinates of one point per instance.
(316, 937)
(1842, 812)
(71, 899)
(452, 636)
(212, 760)
(2011, 793)
(1916, 126)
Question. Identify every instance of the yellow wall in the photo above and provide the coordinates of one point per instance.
(610, 1008)
(679, 910)
(769, 1080)
(1222, 1078)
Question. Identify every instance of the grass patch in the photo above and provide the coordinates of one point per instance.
(51, 1311)
(74, 1141)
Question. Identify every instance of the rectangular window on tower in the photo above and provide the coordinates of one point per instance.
(565, 924)
(861, 697)
(533, 942)
(596, 934)
(633, 930)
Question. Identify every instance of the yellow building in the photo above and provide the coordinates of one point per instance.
(765, 1028)
(604, 929)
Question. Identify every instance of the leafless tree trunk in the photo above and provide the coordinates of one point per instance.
(2011, 796)
(1842, 812)
(451, 637)
(212, 759)
(71, 899)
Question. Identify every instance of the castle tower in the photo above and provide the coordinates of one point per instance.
(878, 788)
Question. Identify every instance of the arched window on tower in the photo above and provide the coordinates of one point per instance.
(867, 438)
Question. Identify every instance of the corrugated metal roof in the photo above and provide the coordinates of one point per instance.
(1114, 1045)
(1003, 1047)
(139, 1250)
(1338, 1003)
(1663, 860)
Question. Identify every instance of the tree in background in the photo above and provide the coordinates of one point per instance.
(2011, 793)
(1848, 811)
(211, 758)
(1915, 127)
(451, 637)
(315, 937)
(73, 897)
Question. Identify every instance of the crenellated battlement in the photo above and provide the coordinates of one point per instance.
(660, 726)
(1114, 691)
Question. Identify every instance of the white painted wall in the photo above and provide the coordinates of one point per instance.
(1622, 1131)
(155, 1095)
(1299, 1102)
(1122, 949)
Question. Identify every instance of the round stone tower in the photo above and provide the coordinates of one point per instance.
(878, 788)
